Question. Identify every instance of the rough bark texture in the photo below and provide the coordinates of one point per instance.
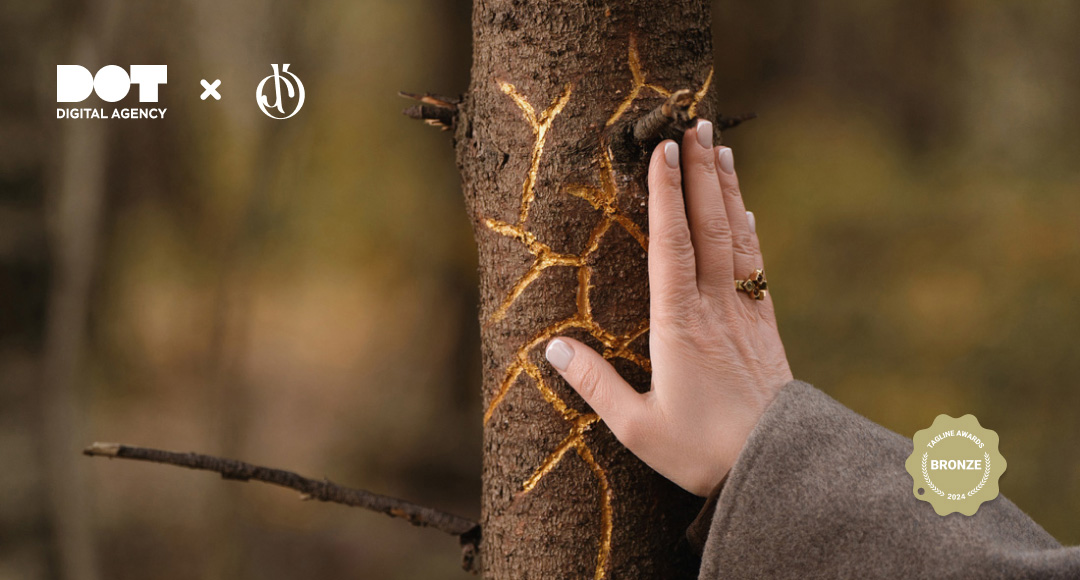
(558, 203)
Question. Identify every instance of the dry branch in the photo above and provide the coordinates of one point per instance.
(726, 122)
(324, 490)
(435, 110)
(673, 113)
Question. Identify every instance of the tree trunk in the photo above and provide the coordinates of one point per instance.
(77, 200)
(557, 197)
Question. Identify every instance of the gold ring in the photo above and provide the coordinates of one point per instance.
(756, 285)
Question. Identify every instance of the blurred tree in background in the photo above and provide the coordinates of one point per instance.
(304, 294)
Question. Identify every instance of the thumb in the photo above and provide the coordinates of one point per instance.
(593, 377)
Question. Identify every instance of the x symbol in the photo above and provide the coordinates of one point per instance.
(211, 89)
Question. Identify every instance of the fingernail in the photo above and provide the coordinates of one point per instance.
(753, 222)
(671, 154)
(559, 353)
(704, 134)
(727, 161)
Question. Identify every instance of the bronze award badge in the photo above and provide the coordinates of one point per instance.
(956, 465)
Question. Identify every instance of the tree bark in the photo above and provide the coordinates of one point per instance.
(556, 192)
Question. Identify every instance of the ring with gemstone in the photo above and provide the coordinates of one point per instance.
(756, 285)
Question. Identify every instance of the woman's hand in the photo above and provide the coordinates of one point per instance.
(716, 354)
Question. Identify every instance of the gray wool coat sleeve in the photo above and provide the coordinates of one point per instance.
(821, 492)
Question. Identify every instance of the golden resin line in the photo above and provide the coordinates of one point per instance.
(540, 126)
(549, 395)
(605, 199)
(638, 83)
(545, 258)
(606, 524)
(700, 94)
(575, 439)
(572, 440)
(521, 359)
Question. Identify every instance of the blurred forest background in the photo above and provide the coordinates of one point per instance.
(303, 293)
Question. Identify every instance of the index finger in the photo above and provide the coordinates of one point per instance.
(672, 275)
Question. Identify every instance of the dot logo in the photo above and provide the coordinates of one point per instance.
(74, 84)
